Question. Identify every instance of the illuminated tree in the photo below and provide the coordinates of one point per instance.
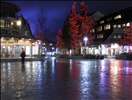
(74, 30)
(127, 37)
(76, 26)
(86, 22)
(60, 42)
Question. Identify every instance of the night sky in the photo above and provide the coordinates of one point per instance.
(57, 11)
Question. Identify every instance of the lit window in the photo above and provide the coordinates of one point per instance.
(114, 26)
(100, 36)
(19, 23)
(119, 36)
(117, 17)
(102, 21)
(50, 44)
(119, 26)
(43, 43)
(11, 23)
(2, 23)
(115, 36)
(128, 24)
(99, 28)
(92, 30)
(107, 26)
(123, 25)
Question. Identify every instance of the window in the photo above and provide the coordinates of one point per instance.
(109, 19)
(99, 28)
(94, 37)
(50, 44)
(107, 26)
(7, 25)
(115, 36)
(119, 36)
(117, 17)
(92, 30)
(101, 22)
(123, 25)
(2, 23)
(100, 36)
(119, 26)
(3, 32)
(114, 26)
(128, 24)
(14, 25)
(15, 33)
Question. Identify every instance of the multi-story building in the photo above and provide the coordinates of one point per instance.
(48, 47)
(15, 32)
(108, 32)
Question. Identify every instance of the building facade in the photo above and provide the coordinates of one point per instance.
(108, 32)
(48, 47)
(15, 33)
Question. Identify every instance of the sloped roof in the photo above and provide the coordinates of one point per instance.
(97, 15)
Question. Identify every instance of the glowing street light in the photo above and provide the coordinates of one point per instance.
(85, 39)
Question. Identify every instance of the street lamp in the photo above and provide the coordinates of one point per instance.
(85, 40)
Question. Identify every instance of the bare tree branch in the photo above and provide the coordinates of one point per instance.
(40, 22)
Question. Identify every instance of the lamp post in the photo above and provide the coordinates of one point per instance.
(85, 40)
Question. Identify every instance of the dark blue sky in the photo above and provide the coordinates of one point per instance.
(57, 11)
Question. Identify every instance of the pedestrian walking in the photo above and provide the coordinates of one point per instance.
(23, 54)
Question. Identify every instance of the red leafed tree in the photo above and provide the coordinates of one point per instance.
(76, 26)
(74, 31)
(86, 22)
(127, 39)
(60, 42)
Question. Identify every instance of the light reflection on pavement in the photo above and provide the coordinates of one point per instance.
(67, 79)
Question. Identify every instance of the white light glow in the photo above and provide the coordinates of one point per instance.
(18, 22)
(115, 46)
(70, 52)
(11, 23)
(53, 48)
(85, 39)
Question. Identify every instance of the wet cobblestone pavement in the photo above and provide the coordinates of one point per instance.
(65, 79)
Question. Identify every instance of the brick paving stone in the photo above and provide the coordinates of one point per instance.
(65, 79)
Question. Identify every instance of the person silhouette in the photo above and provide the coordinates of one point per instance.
(23, 54)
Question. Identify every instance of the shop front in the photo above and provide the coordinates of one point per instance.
(12, 47)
